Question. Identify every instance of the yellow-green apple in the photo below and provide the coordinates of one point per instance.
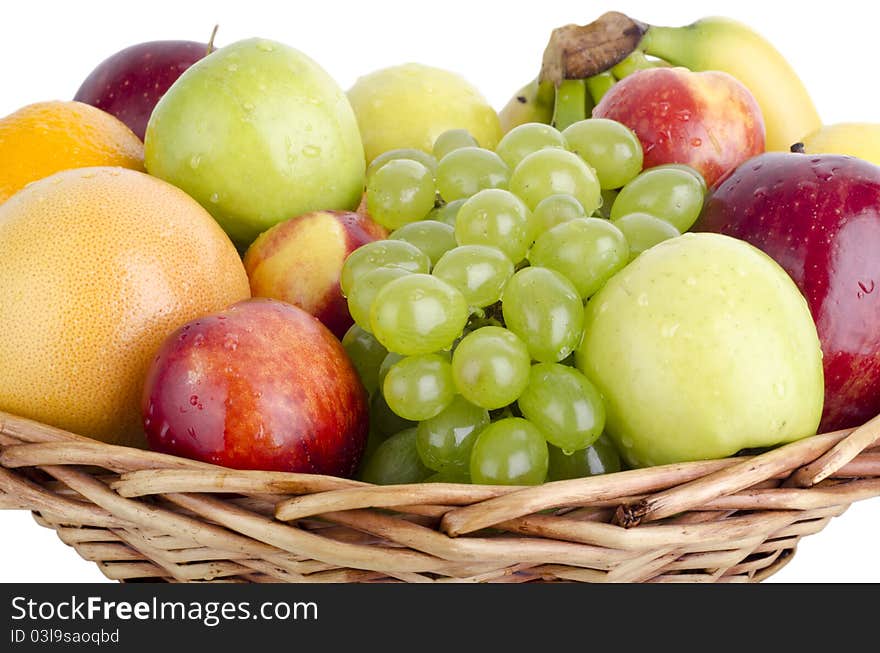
(819, 217)
(299, 260)
(702, 346)
(707, 120)
(257, 132)
(261, 385)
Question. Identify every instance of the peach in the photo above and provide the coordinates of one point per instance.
(707, 120)
(261, 385)
(299, 260)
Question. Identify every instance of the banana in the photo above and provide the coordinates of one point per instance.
(859, 139)
(534, 102)
(732, 47)
(615, 45)
(571, 103)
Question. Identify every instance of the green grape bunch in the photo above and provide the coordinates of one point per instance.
(466, 317)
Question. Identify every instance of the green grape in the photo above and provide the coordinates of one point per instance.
(447, 212)
(478, 271)
(688, 169)
(383, 420)
(453, 475)
(609, 147)
(418, 314)
(468, 170)
(432, 237)
(419, 387)
(400, 192)
(599, 458)
(453, 139)
(391, 359)
(544, 309)
(553, 171)
(396, 461)
(381, 253)
(604, 211)
(671, 194)
(643, 231)
(490, 367)
(445, 441)
(403, 153)
(366, 354)
(587, 251)
(524, 139)
(555, 210)
(497, 218)
(511, 451)
(564, 405)
(363, 293)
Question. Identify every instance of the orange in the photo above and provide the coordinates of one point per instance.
(97, 267)
(41, 139)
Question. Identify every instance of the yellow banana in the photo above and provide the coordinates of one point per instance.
(859, 139)
(532, 103)
(732, 47)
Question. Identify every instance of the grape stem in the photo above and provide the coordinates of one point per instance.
(582, 51)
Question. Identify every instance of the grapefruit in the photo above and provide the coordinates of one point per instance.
(98, 266)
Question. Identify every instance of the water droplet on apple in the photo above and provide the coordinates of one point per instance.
(193, 400)
(265, 46)
(232, 67)
(230, 342)
(779, 389)
(642, 300)
(669, 330)
(696, 142)
(195, 160)
(311, 151)
(214, 198)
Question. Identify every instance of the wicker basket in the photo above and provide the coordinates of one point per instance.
(145, 516)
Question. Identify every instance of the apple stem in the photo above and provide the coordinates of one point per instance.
(798, 148)
(211, 47)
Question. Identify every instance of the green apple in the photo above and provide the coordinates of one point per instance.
(258, 133)
(701, 347)
(409, 106)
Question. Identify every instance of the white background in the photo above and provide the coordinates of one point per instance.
(48, 48)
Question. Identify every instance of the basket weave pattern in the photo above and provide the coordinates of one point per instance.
(146, 516)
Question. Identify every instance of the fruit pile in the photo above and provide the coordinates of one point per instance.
(654, 253)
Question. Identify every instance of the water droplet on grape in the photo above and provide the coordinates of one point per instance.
(311, 151)
(265, 46)
(779, 389)
(691, 281)
(248, 106)
(642, 299)
(669, 330)
(568, 452)
(232, 67)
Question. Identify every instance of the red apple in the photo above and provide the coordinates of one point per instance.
(128, 84)
(707, 120)
(262, 385)
(819, 217)
(298, 261)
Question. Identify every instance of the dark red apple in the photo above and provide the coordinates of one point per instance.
(707, 120)
(819, 217)
(128, 84)
(262, 385)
